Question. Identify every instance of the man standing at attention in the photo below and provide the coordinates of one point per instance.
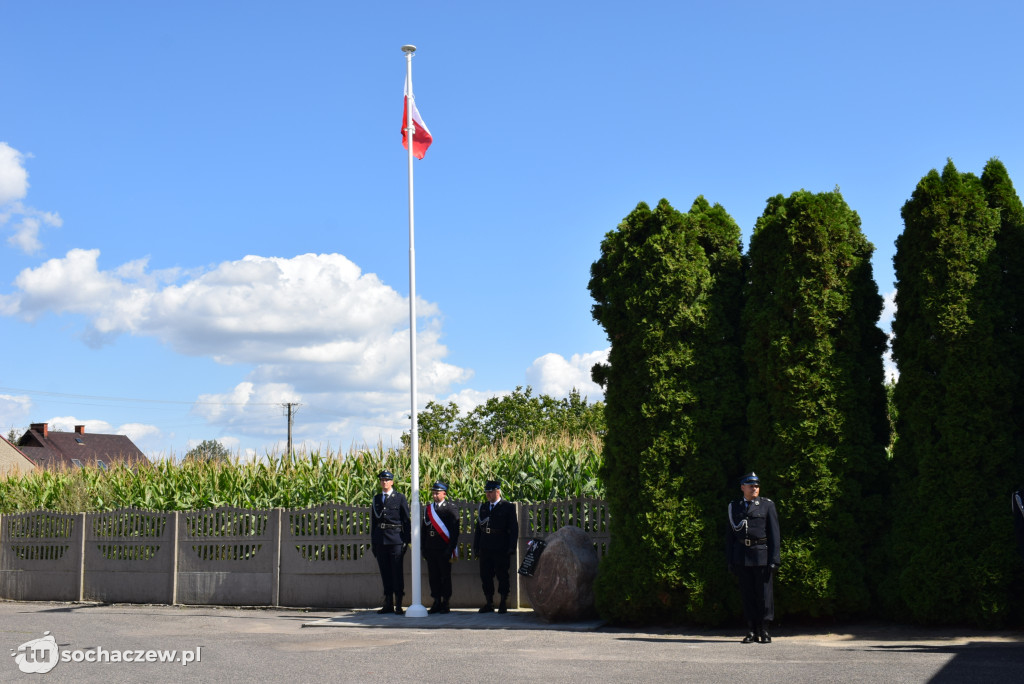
(752, 546)
(389, 533)
(440, 539)
(494, 543)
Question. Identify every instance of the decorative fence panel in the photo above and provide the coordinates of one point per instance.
(41, 556)
(128, 556)
(590, 515)
(229, 557)
(315, 557)
(326, 558)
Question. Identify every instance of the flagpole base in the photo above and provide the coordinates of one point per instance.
(416, 610)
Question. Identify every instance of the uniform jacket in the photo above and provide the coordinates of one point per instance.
(449, 515)
(393, 514)
(759, 522)
(498, 529)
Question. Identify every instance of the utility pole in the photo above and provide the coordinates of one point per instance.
(289, 405)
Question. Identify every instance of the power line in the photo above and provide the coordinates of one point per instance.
(144, 401)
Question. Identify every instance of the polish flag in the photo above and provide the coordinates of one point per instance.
(421, 139)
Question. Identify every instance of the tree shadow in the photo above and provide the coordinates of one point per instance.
(971, 662)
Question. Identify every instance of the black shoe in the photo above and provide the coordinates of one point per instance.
(751, 638)
(502, 607)
(389, 606)
(436, 608)
(766, 638)
(487, 608)
(444, 607)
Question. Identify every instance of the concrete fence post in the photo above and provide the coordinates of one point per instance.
(275, 531)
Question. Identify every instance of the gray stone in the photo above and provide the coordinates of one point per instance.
(562, 586)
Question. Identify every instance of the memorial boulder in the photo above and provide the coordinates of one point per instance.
(561, 587)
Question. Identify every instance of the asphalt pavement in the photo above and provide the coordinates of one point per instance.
(83, 642)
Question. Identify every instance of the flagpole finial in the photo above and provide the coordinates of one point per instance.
(409, 48)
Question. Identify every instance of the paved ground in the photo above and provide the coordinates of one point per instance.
(246, 645)
(457, 619)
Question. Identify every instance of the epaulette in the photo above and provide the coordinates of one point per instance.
(765, 498)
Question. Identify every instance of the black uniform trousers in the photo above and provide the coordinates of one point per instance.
(494, 562)
(439, 572)
(389, 561)
(757, 593)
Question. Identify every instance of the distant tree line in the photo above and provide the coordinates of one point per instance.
(515, 416)
(892, 501)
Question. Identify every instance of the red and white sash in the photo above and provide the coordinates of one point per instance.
(439, 526)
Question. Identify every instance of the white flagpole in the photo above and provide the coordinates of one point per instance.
(416, 608)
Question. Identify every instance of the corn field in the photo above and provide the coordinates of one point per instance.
(538, 469)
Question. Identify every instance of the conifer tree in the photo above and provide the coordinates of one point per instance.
(956, 348)
(668, 289)
(818, 418)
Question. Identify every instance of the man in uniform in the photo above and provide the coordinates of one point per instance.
(494, 543)
(440, 538)
(390, 531)
(752, 548)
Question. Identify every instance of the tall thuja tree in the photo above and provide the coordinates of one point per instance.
(954, 399)
(667, 288)
(818, 421)
(1008, 466)
(1009, 324)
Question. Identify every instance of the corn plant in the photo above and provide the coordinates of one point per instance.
(535, 469)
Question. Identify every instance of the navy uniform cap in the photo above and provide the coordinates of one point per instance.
(439, 487)
(491, 485)
(385, 475)
(750, 478)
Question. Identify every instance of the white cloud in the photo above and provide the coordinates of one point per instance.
(139, 432)
(555, 375)
(14, 411)
(68, 423)
(150, 439)
(13, 188)
(315, 329)
(13, 176)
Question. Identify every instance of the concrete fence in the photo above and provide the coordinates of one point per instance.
(312, 557)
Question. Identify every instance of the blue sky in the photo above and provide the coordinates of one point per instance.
(203, 205)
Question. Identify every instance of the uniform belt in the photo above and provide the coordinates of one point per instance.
(388, 526)
(433, 533)
(755, 542)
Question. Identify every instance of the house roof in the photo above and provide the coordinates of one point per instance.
(51, 449)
